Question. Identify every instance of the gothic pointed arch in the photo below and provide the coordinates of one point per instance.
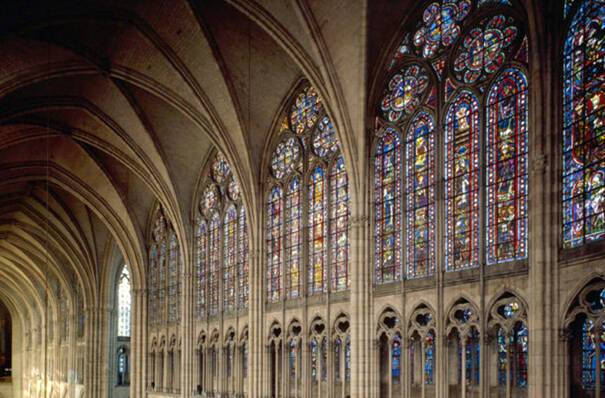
(341, 352)
(452, 106)
(583, 332)
(508, 345)
(390, 345)
(294, 352)
(221, 242)
(164, 272)
(463, 331)
(422, 347)
(307, 203)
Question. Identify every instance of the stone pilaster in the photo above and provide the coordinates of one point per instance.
(361, 296)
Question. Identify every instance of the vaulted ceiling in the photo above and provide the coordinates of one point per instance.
(109, 107)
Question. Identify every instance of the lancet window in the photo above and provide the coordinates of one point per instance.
(583, 119)
(294, 349)
(124, 303)
(585, 333)
(455, 94)
(308, 186)
(509, 347)
(164, 272)
(221, 243)
(422, 352)
(341, 355)
(463, 350)
(318, 358)
(390, 353)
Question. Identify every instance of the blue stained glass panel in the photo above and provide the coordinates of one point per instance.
(583, 126)
(387, 208)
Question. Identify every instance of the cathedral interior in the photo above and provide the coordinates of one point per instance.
(302, 198)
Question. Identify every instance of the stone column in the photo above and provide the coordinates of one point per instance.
(361, 311)
(256, 348)
(565, 336)
(544, 154)
(138, 344)
(73, 352)
(186, 381)
(305, 373)
(102, 347)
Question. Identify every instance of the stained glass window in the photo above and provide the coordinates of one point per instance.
(229, 258)
(429, 357)
(586, 329)
(220, 169)
(485, 49)
(274, 249)
(324, 359)
(404, 92)
(233, 189)
(462, 182)
(567, 7)
(348, 358)
(472, 357)
(314, 348)
(520, 354)
(507, 168)
(486, 54)
(245, 360)
(164, 268)
(305, 110)
(173, 278)
(324, 139)
(153, 284)
(440, 25)
(286, 157)
(502, 356)
(483, 2)
(387, 207)
(221, 242)
(588, 355)
(123, 367)
(337, 355)
(420, 194)
(214, 264)
(162, 281)
(201, 265)
(402, 50)
(243, 261)
(124, 303)
(317, 231)
(339, 225)
(292, 359)
(308, 179)
(511, 343)
(210, 198)
(80, 316)
(396, 358)
(293, 241)
(583, 120)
